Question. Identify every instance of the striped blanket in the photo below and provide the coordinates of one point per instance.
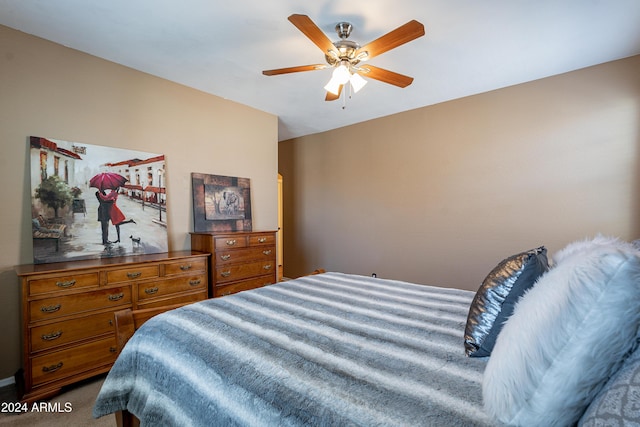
(324, 350)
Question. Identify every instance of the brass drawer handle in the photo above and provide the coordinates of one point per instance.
(52, 368)
(134, 275)
(262, 239)
(225, 257)
(195, 282)
(267, 267)
(67, 284)
(52, 336)
(268, 252)
(225, 273)
(151, 291)
(51, 308)
(185, 267)
(116, 297)
(231, 242)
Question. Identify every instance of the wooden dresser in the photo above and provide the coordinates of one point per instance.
(67, 311)
(240, 260)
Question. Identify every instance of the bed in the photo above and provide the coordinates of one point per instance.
(337, 349)
(344, 350)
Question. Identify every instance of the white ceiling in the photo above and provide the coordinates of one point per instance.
(221, 47)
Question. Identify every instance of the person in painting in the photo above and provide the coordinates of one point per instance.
(115, 214)
(104, 214)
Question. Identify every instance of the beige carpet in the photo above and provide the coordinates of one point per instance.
(77, 400)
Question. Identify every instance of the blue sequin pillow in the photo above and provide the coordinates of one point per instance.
(495, 299)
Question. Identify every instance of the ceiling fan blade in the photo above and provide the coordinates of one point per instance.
(332, 96)
(294, 69)
(385, 76)
(401, 35)
(313, 32)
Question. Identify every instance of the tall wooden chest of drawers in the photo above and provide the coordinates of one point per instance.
(240, 260)
(67, 311)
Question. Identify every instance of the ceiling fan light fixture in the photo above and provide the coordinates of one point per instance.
(342, 74)
(357, 82)
(333, 86)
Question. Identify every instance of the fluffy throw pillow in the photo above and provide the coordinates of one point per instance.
(568, 334)
(496, 298)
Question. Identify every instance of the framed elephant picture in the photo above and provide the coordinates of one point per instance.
(221, 203)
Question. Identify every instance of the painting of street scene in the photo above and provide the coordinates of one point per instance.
(91, 201)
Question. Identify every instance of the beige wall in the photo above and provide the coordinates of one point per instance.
(52, 91)
(439, 195)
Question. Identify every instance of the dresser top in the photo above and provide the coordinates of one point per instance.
(234, 233)
(27, 269)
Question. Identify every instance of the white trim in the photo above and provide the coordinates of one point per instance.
(7, 381)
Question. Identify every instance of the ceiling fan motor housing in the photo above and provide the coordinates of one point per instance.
(346, 49)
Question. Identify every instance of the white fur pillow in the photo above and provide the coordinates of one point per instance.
(567, 335)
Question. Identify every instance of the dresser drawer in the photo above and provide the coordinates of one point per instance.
(133, 273)
(60, 333)
(231, 273)
(182, 299)
(262, 239)
(185, 266)
(61, 283)
(171, 286)
(244, 285)
(222, 243)
(60, 364)
(244, 255)
(54, 307)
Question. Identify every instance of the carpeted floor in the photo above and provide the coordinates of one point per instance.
(69, 409)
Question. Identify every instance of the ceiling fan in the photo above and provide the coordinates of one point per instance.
(346, 55)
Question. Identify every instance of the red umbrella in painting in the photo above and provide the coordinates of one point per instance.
(107, 181)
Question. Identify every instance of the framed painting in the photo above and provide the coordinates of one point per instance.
(221, 203)
(91, 201)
